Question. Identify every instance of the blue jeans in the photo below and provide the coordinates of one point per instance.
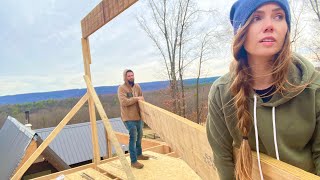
(135, 132)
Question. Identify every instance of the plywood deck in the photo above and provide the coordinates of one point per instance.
(159, 166)
(88, 174)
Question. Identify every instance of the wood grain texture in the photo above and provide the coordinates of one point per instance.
(187, 139)
(89, 173)
(104, 12)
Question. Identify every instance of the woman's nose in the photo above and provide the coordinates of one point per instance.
(268, 25)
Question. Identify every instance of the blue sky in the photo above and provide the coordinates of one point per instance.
(40, 47)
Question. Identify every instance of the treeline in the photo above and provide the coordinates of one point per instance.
(50, 112)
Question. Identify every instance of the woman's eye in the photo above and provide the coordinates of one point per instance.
(278, 17)
(256, 18)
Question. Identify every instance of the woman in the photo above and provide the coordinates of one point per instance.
(269, 101)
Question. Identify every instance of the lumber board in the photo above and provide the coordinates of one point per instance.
(186, 138)
(109, 146)
(49, 139)
(86, 54)
(65, 172)
(92, 111)
(89, 173)
(104, 12)
(94, 132)
(274, 169)
(30, 149)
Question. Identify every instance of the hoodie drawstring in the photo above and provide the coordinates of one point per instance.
(275, 132)
(257, 135)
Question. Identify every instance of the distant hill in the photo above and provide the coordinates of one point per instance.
(33, 97)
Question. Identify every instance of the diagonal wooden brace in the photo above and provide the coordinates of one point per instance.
(108, 127)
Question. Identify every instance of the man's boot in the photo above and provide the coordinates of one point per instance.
(143, 157)
(137, 165)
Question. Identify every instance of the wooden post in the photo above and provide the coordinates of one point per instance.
(49, 139)
(108, 127)
(108, 146)
(92, 111)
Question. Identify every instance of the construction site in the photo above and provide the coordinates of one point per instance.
(183, 153)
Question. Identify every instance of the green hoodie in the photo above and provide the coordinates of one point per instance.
(297, 117)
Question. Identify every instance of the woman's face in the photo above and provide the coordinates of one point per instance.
(267, 31)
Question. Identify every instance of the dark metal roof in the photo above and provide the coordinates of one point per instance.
(73, 144)
(14, 140)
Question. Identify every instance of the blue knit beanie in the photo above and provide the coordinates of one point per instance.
(242, 10)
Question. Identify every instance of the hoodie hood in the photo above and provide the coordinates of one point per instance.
(301, 72)
(125, 77)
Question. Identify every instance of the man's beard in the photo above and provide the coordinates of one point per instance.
(131, 83)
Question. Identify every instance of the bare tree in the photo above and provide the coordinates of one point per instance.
(170, 30)
(315, 44)
(181, 59)
(297, 24)
(202, 58)
(315, 5)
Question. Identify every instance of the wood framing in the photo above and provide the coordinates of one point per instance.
(30, 149)
(49, 139)
(92, 111)
(145, 143)
(186, 138)
(100, 15)
(88, 173)
(69, 171)
(189, 141)
(109, 146)
(108, 127)
(104, 12)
